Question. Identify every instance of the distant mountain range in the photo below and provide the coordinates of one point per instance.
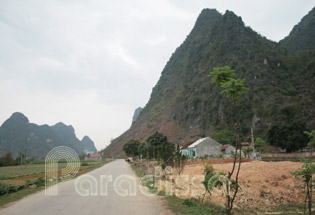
(17, 135)
(185, 106)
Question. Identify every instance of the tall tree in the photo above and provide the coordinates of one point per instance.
(223, 77)
(161, 148)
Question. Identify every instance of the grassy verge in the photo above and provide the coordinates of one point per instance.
(11, 197)
(291, 209)
(18, 195)
(182, 206)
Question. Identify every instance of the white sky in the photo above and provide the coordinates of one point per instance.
(92, 63)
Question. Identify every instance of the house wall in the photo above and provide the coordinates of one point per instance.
(228, 150)
(208, 147)
(192, 152)
(184, 152)
(95, 159)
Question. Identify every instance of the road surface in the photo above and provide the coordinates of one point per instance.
(69, 202)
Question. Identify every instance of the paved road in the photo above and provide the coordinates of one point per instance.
(69, 202)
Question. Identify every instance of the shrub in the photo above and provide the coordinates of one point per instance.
(259, 144)
(9, 188)
(84, 164)
(189, 203)
(39, 182)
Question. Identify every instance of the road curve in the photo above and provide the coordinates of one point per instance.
(69, 202)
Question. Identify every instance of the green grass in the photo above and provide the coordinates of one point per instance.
(293, 209)
(139, 172)
(190, 207)
(10, 172)
(18, 195)
(15, 171)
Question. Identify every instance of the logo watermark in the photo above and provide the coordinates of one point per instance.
(51, 168)
(122, 185)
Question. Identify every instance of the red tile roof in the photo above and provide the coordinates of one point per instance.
(224, 147)
(245, 144)
(95, 156)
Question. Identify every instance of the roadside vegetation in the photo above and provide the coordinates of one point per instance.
(181, 206)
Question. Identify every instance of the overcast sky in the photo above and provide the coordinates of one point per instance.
(92, 63)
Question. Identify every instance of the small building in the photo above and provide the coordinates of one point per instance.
(94, 157)
(204, 147)
(184, 149)
(227, 150)
(245, 145)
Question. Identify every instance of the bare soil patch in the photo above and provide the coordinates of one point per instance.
(264, 185)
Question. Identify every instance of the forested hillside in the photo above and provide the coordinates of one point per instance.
(185, 106)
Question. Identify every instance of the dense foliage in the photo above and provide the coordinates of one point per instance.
(225, 137)
(288, 135)
(259, 144)
(156, 147)
(159, 147)
(131, 148)
(7, 160)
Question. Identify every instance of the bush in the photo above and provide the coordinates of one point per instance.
(84, 164)
(259, 144)
(9, 188)
(39, 182)
(189, 203)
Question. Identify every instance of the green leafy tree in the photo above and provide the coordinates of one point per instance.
(248, 151)
(223, 77)
(311, 144)
(306, 174)
(131, 148)
(161, 148)
(288, 135)
(225, 137)
(179, 160)
(7, 160)
(142, 150)
(260, 144)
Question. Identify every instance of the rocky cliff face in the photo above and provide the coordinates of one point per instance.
(184, 105)
(136, 114)
(302, 36)
(18, 135)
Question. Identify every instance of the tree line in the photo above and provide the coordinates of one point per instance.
(156, 147)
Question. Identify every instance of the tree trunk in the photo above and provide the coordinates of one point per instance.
(310, 198)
